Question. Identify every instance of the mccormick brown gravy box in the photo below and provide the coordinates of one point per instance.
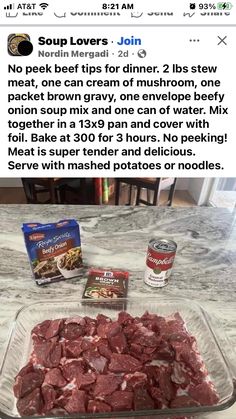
(54, 250)
(106, 283)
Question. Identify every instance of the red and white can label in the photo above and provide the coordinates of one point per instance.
(158, 267)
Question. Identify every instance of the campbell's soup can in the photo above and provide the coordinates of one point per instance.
(160, 259)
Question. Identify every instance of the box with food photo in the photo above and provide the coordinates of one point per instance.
(106, 283)
(54, 250)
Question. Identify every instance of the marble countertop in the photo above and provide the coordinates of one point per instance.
(204, 270)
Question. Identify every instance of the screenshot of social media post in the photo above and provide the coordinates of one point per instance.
(117, 209)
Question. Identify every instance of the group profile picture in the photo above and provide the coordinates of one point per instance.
(19, 44)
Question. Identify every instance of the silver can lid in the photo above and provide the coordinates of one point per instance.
(163, 245)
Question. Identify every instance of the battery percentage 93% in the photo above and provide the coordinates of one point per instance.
(207, 6)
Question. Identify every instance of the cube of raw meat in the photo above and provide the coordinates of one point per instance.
(48, 353)
(124, 363)
(72, 331)
(138, 379)
(185, 353)
(49, 397)
(73, 348)
(106, 384)
(125, 318)
(87, 345)
(145, 337)
(165, 352)
(120, 400)
(31, 404)
(142, 400)
(71, 370)
(62, 397)
(55, 378)
(158, 397)
(153, 374)
(107, 330)
(27, 383)
(26, 369)
(104, 349)
(40, 329)
(85, 380)
(179, 375)
(166, 385)
(53, 329)
(118, 343)
(174, 324)
(90, 327)
(129, 330)
(95, 361)
(204, 393)
(76, 403)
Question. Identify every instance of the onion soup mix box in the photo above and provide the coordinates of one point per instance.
(54, 250)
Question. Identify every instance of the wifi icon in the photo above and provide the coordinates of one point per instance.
(44, 5)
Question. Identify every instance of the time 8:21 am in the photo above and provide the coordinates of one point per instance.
(117, 6)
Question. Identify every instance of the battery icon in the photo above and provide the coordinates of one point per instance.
(224, 6)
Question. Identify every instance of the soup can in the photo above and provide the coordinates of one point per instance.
(160, 259)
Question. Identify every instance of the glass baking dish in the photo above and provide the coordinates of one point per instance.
(212, 346)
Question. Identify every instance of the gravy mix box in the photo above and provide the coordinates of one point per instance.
(54, 250)
(107, 284)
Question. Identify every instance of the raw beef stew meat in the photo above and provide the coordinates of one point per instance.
(100, 365)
